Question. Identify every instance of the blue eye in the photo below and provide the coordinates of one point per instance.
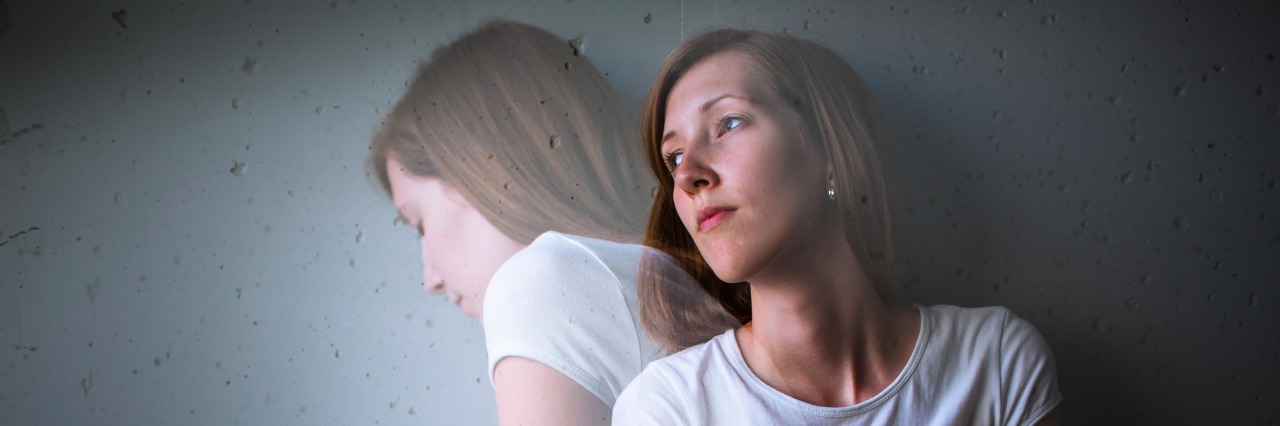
(673, 160)
(729, 123)
(732, 123)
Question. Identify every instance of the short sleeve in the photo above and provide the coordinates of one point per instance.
(557, 303)
(1029, 380)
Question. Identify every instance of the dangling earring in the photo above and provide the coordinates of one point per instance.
(831, 194)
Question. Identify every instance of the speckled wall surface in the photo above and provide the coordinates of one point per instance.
(187, 235)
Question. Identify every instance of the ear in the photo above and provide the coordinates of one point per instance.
(454, 195)
(831, 176)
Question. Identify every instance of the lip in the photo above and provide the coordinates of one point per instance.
(709, 217)
(456, 300)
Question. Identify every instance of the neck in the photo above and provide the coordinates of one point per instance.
(821, 333)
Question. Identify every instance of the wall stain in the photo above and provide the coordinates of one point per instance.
(19, 234)
(19, 133)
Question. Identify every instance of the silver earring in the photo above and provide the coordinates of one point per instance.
(831, 194)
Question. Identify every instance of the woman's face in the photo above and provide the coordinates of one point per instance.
(461, 250)
(747, 186)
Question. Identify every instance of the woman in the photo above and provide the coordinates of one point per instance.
(769, 154)
(508, 154)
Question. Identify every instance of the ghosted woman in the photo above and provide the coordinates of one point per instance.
(510, 155)
(769, 154)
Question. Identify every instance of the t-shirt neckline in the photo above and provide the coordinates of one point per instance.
(729, 344)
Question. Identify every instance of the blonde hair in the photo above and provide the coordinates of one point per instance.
(528, 131)
(839, 115)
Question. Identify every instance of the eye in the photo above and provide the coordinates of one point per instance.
(401, 221)
(673, 160)
(729, 123)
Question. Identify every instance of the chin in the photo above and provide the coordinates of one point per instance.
(736, 261)
(730, 272)
(474, 314)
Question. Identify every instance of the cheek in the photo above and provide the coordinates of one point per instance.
(788, 176)
(685, 209)
(437, 247)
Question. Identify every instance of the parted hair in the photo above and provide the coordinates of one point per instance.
(526, 129)
(839, 116)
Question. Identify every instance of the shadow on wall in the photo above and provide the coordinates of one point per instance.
(950, 218)
(5, 19)
(1057, 208)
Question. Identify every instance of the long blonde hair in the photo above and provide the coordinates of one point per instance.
(839, 114)
(527, 129)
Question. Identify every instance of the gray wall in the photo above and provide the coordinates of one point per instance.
(188, 235)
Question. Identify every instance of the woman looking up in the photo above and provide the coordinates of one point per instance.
(769, 154)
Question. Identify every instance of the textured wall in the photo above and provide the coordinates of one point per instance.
(187, 235)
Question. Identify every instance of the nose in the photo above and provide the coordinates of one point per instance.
(695, 172)
(436, 287)
(432, 282)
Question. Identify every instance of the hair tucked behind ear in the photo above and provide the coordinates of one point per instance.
(839, 114)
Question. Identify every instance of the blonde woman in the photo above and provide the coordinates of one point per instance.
(510, 155)
(769, 154)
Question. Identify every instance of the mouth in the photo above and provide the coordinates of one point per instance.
(455, 299)
(709, 217)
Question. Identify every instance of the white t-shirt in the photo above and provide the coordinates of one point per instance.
(970, 366)
(570, 302)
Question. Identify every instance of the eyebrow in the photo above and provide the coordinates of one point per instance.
(702, 109)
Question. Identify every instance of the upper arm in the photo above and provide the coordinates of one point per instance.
(532, 393)
(1029, 375)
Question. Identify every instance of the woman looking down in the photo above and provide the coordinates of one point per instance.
(509, 154)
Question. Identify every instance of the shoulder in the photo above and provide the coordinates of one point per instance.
(681, 370)
(972, 319)
(992, 324)
(650, 399)
(995, 322)
(989, 328)
(1025, 378)
(551, 266)
(562, 303)
(558, 278)
(685, 367)
(549, 253)
(668, 391)
(563, 258)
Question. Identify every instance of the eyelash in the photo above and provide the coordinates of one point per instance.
(724, 121)
(669, 158)
(416, 228)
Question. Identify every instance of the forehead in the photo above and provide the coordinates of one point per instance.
(406, 187)
(396, 175)
(720, 73)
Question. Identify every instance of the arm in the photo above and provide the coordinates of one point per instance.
(532, 393)
(1031, 379)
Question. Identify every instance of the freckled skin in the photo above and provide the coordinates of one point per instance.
(756, 163)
